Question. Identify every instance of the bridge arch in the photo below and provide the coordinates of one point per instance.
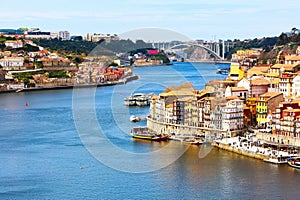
(196, 45)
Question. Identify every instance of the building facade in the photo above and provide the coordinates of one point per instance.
(12, 63)
(265, 105)
(233, 115)
(64, 35)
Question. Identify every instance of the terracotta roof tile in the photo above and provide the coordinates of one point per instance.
(260, 81)
(236, 89)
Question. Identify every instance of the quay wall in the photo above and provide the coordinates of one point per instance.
(183, 130)
(239, 151)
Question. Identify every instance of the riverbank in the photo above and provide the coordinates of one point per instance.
(151, 65)
(250, 147)
(61, 87)
(227, 146)
(209, 61)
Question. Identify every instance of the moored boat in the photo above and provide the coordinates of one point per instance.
(145, 134)
(192, 142)
(129, 101)
(142, 101)
(294, 162)
(137, 99)
(134, 118)
(277, 160)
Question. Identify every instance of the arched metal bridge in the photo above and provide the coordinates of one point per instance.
(194, 45)
(216, 49)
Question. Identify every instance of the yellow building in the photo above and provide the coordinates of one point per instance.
(236, 72)
(267, 104)
(242, 54)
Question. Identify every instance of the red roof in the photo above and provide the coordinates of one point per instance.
(153, 52)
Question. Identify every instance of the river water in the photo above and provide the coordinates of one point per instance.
(45, 153)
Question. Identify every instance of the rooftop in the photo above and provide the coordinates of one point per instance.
(260, 81)
(237, 89)
(257, 70)
(269, 95)
(292, 58)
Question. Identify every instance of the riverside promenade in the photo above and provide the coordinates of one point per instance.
(235, 146)
(188, 131)
(122, 81)
(250, 147)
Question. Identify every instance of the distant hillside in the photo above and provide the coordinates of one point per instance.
(271, 46)
(87, 47)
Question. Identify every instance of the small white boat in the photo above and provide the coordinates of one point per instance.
(19, 90)
(192, 141)
(142, 101)
(134, 118)
(294, 162)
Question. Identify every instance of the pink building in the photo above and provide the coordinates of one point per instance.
(259, 86)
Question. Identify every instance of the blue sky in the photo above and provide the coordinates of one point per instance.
(196, 19)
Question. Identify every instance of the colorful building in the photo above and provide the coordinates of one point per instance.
(258, 86)
(286, 83)
(236, 72)
(233, 115)
(287, 123)
(265, 105)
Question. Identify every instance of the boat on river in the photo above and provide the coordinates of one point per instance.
(223, 71)
(277, 159)
(192, 141)
(138, 99)
(294, 162)
(134, 118)
(145, 134)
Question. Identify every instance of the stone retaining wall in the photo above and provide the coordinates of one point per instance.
(239, 151)
(188, 131)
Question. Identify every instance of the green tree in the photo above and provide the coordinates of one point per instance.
(283, 39)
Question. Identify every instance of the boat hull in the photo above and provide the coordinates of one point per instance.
(275, 161)
(145, 134)
(138, 100)
(290, 163)
(148, 137)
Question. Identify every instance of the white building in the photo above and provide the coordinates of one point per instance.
(169, 113)
(285, 84)
(64, 35)
(14, 43)
(244, 83)
(296, 86)
(216, 117)
(53, 35)
(292, 60)
(233, 115)
(160, 110)
(11, 62)
(38, 35)
(97, 37)
(241, 92)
